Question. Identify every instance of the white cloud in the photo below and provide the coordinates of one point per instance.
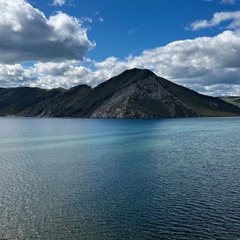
(206, 60)
(210, 65)
(27, 35)
(63, 2)
(218, 18)
(228, 1)
(59, 2)
(15, 75)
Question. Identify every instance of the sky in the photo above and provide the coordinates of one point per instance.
(64, 43)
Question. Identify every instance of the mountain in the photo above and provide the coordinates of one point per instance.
(134, 93)
(15, 100)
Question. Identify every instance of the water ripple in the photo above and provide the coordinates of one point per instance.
(154, 179)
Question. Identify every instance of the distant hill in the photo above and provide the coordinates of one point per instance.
(233, 100)
(134, 93)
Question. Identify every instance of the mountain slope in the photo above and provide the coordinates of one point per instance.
(62, 105)
(15, 100)
(134, 93)
(146, 95)
(233, 100)
(205, 106)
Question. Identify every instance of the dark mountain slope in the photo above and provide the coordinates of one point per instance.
(15, 100)
(64, 104)
(204, 105)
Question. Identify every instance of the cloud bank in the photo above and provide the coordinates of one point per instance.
(208, 65)
(27, 35)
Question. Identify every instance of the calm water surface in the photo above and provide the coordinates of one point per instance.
(95, 179)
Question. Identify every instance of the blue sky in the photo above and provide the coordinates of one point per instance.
(125, 27)
(52, 43)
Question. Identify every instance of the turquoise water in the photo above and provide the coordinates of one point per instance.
(119, 179)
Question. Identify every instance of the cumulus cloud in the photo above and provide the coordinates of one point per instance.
(198, 63)
(15, 75)
(210, 65)
(27, 35)
(218, 18)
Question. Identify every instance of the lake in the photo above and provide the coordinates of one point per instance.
(120, 179)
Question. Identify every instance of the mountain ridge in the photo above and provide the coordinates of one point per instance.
(135, 93)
